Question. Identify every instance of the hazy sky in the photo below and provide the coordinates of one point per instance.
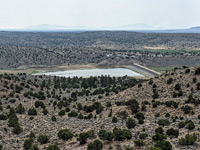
(98, 13)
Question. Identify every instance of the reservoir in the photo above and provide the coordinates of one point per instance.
(118, 72)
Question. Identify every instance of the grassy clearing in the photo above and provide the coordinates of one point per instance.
(34, 72)
(162, 69)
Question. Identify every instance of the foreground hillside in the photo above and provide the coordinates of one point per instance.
(40, 112)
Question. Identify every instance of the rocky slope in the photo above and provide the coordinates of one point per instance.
(122, 113)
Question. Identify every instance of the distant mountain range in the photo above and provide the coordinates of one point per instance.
(58, 27)
(135, 27)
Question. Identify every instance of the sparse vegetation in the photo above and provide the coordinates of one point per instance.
(44, 104)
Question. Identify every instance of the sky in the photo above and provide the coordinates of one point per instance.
(99, 13)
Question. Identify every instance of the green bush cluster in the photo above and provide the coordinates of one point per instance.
(96, 106)
(84, 136)
(139, 143)
(163, 122)
(188, 140)
(172, 132)
(13, 122)
(106, 135)
(122, 134)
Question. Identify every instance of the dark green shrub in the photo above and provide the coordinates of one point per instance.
(31, 135)
(155, 148)
(188, 140)
(197, 71)
(79, 106)
(130, 123)
(53, 118)
(198, 86)
(122, 114)
(134, 105)
(67, 109)
(110, 114)
(155, 103)
(155, 95)
(65, 134)
(139, 143)
(159, 137)
(164, 145)
(143, 136)
(72, 114)
(167, 115)
(114, 119)
(154, 86)
(20, 109)
(28, 143)
(82, 137)
(172, 132)
(157, 115)
(139, 85)
(13, 120)
(17, 129)
(3, 117)
(171, 103)
(53, 147)
(43, 138)
(108, 104)
(45, 111)
(12, 100)
(190, 125)
(169, 81)
(88, 116)
(150, 81)
(99, 109)
(95, 145)
(163, 122)
(187, 70)
(181, 124)
(85, 135)
(194, 80)
(186, 109)
(122, 134)
(177, 87)
(61, 113)
(80, 116)
(32, 112)
(139, 115)
(34, 147)
(159, 130)
(143, 107)
(91, 134)
(39, 104)
(141, 121)
(106, 135)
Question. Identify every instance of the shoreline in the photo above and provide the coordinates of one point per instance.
(36, 70)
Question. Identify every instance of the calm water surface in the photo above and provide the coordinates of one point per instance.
(118, 72)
